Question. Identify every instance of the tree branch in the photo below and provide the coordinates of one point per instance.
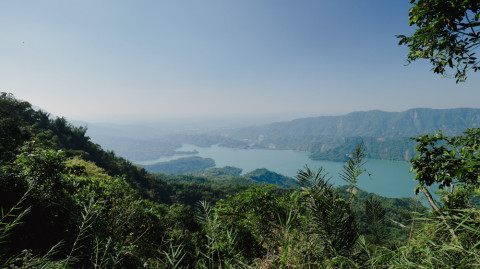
(435, 207)
(470, 23)
(430, 199)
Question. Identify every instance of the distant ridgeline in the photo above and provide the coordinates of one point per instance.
(386, 135)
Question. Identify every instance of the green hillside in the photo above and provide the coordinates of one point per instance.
(67, 203)
(183, 165)
(269, 177)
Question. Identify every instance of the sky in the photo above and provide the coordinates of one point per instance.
(144, 60)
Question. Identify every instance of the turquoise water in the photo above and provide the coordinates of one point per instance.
(387, 178)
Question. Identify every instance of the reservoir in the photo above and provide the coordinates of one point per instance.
(383, 177)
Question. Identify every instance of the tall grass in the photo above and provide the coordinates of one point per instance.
(9, 220)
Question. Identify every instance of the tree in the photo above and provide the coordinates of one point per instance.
(255, 214)
(448, 33)
(332, 222)
(375, 213)
(13, 115)
(452, 164)
(449, 163)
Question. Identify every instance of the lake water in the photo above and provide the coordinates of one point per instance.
(387, 178)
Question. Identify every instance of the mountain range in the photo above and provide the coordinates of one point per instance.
(386, 135)
(374, 123)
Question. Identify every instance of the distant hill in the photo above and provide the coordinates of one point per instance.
(221, 171)
(269, 177)
(373, 123)
(386, 135)
(181, 166)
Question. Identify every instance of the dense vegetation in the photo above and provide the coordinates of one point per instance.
(181, 166)
(222, 171)
(266, 176)
(68, 203)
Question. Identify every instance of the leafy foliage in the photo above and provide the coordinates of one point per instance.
(375, 219)
(448, 161)
(452, 164)
(254, 214)
(447, 34)
(332, 220)
(353, 168)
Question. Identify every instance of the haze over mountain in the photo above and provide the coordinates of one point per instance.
(385, 134)
(177, 59)
(374, 123)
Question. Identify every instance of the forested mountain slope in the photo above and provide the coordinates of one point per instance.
(386, 135)
(67, 203)
(373, 123)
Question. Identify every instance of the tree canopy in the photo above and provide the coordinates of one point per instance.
(447, 34)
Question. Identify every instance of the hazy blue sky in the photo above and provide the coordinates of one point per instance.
(124, 60)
